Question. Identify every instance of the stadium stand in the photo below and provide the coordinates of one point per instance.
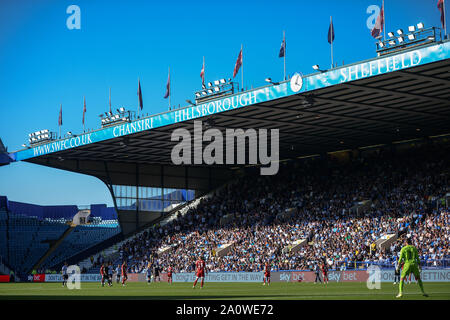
(3, 236)
(92, 264)
(80, 239)
(26, 239)
(338, 208)
(313, 199)
(60, 213)
(29, 232)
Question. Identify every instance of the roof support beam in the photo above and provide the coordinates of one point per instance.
(416, 75)
(401, 93)
(334, 115)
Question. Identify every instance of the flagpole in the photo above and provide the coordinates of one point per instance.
(84, 120)
(445, 20)
(332, 36)
(284, 58)
(384, 21)
(139, 88)
(242, 67)
(170, 89)
(204, 77)
(60, 118)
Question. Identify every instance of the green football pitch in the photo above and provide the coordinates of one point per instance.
(227, 291)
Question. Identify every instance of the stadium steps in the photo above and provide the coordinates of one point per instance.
(110, 252)
(53, 247)
(163, 220)
(86, 254)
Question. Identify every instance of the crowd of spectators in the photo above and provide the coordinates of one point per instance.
(341, 207)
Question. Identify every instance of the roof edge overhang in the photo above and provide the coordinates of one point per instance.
(298, 84)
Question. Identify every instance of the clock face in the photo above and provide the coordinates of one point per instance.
(296, 82)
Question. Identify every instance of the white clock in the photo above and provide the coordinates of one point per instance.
(296, 82)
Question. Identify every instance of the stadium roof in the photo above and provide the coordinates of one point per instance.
(378, 101)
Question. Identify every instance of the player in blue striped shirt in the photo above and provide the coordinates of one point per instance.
(65, 276)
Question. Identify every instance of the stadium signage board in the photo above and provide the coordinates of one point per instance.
(39, 277)
(387, 275)
(427, 275)
(83, 277)
(357, 71)
(221, 277)
(4, 278)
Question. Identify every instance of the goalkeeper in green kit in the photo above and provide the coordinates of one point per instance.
(410, 257)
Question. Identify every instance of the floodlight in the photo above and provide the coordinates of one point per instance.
(381, 44)
(400, 32)
(210, 84)
(210, 91)
(411, 36)
(216, 82)
(316, 67)
(216, 89)
(390, 34)
(204, 93)
(197, 95)
(392, 42)
(401, 39)
(269, 80)
(223, 81)
(420, 25)
(411, 28)
(24, 145)
(122, 109)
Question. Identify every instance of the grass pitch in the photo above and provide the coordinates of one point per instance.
(225, 291)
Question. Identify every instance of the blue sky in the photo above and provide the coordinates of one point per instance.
(44, 64)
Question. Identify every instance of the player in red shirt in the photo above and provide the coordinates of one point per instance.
(266, 274)
(200, 270)
(169, 275)
(102, 273)
(124, 273)
(325, 272)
